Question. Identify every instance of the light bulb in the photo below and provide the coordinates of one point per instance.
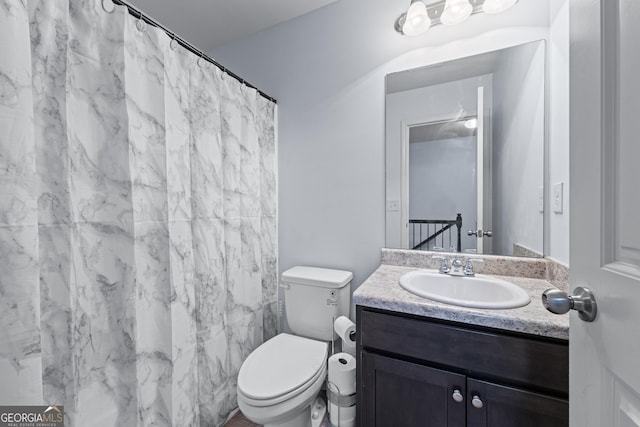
(456, 11)
(417, 20)
(497, 6)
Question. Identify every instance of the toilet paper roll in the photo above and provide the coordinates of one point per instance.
(342, 417)
(345, 328)
(342, 381)
(342, 373)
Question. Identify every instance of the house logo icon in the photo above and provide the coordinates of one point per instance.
(53, 408)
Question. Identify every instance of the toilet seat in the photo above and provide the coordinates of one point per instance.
(281, 368)
(318, 378)
(286, 413)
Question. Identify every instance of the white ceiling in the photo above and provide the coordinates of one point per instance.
(210, 23)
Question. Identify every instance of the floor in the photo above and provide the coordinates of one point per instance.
(239, 420)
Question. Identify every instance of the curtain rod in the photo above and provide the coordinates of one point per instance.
(182, 42)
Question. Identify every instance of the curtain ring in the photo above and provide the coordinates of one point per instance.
(173, 44)
(108, 6)
(140, 24)
(200, 59)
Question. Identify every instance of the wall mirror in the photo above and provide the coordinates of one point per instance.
(465, 154)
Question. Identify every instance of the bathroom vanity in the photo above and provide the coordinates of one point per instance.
(424, 363)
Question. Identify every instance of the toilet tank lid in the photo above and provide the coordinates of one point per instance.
(314, 276)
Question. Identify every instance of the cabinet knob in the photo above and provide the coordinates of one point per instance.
(477, 402)
(457, 396)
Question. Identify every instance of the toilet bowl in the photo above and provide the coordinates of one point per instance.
(280, 379)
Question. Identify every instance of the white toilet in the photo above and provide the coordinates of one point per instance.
(278, 381)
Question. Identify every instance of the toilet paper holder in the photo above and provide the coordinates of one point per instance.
(352, 334)
(342, 401)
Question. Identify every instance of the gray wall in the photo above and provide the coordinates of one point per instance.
(518, 149)
(442, 183)
(327, 71)
(557, 154)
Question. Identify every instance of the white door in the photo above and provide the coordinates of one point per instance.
(484, 223)
(480, 228)
(605, 211)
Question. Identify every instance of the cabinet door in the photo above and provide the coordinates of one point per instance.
(398, 393)
(503, 406)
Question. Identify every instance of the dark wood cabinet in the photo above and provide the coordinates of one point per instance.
(409, 394)
(422, 372)
(512, 407)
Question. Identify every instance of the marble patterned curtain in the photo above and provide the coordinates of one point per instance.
(137, 220)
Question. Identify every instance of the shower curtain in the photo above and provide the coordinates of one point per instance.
(138, 258)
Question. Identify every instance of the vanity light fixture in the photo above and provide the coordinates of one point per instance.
(416, 20)
(423, 14)
(455, 12)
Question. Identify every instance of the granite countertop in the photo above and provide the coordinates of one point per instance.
(382, 290)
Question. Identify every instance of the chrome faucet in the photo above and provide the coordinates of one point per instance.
(458, 266)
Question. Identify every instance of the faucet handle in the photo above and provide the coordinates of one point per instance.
(444, 267)
(468, 269)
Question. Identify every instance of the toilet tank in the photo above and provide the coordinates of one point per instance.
(313, 298)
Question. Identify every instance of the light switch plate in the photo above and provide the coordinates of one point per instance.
(541, 199)
(393, 205)
(557, 198)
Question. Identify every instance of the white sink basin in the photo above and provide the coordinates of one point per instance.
(477, 292)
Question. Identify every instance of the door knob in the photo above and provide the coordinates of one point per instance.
(582, 301)
(480, 233)
(457, 396)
